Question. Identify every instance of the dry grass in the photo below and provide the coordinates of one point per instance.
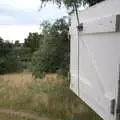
(17, 79)
(50, 97)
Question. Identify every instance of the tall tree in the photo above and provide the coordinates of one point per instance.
(53, 55)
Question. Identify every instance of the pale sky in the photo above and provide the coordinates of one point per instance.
(19, 17)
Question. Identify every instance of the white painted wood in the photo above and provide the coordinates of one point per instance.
(99, 61)
(99, 56)
(103, 9)
(102, 25)
(74, 60)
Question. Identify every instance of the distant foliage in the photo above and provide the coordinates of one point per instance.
(8, 58)
(16, 57)
(53, 55)
(47, 52)
(33, 41)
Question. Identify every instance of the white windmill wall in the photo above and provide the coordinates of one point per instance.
(99, 56)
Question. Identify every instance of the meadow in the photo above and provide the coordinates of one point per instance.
(24, 98)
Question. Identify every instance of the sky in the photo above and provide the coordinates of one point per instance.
(19, 17)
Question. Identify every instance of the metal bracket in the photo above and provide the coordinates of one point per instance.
(80, 27)
(113, 102)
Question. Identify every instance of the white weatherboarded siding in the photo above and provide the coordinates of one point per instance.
(99, 56)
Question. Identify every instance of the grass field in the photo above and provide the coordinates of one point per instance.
(49, 97)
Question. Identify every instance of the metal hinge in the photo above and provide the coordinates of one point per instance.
(113, 102)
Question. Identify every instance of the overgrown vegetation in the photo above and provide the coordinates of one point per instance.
(53, 55)
(50, 97)
(49, 51)
(8, 60)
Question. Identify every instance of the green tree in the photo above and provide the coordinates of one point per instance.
(53, 55)
(33, 41)
(17, 43)
(1, 42)
(8, 58)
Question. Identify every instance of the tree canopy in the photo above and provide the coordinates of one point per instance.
(8, 58)
(69, 4)
(53, 55)
(33, 41)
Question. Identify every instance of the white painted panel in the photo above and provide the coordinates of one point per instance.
(99, 56)
(103, 9)
(99, 61)
(74, 60)
(102, 25)
(91, 88)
